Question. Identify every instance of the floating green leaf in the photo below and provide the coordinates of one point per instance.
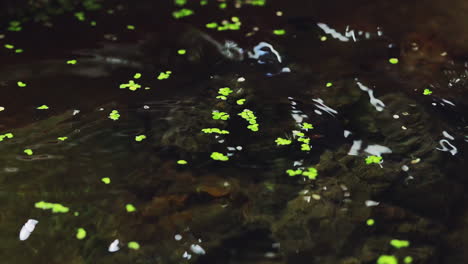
(387, 259)
(56, 207)
(279, 32)
(305, 147)
(251, 118)
(370, 222)
(80, 233)
(257, 2)
(106, 180)
(131, 85)
(181, 52)
(42, 107)
(140, 138)
(14, 26)
(294, 172)
(306, 126)
(393, 60)
(180, 2)
(28, 152)
(164, 75)
(240, 101)
(133, 245)
(21, 84)
(219, 156)
(212, 25)
(80, 16)
(114, 115)
(220, 115)
(311, 173)
(214, 130)
(397, 243)
(182, 162)
(130, 208)
(72, 62)
(427, 92)
(408, 259)
(130, 27)
(373, 159)
(282, 141)
(225, 91)
(6, 135)
(182, 13)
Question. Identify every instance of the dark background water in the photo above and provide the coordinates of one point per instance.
(246, 209)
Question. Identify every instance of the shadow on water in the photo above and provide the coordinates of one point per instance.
(245, 132)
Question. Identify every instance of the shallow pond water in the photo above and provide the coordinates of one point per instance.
(251, 131)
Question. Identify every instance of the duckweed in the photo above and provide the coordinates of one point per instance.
(184, 12)
(42, 107)
(311, 173)
(251, 118)
(80, 233)
(140, 138)
(393, 60)
(220, 115)
(130, 208)
(370, 222)
(387, 259)
(6, 135)
(282, 141)
(214, 131)
(133, 245)
(279, 32)
(114, 115)
(240, 101)
(131, 85)
(306, 126)
(219, 156)
(399, 243)
(106, 180)
(164, 75)
(56, 207)
(373, 159)
(294, 172)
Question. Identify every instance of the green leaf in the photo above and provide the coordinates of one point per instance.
(130, 208)
(133, 245)
(106, 180)
(80, 233)
(29, 152)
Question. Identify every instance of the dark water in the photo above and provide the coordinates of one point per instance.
(329, 66)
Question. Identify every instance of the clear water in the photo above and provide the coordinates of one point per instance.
(332, 68)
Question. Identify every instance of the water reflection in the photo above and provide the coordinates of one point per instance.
(259, 145)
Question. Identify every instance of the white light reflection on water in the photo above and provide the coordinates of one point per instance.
(319, 104)
(379, 105)
(27, 229)
(446, 146)
(349, 33)
(114, 246)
